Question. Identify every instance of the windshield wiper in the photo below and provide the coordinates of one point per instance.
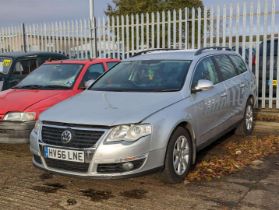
(29, 87)
(169, 90)
(41, 87)
(55, 87)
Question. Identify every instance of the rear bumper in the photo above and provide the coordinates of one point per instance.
(15, 132)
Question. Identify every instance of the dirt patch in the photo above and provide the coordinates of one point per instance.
(71, 202)
(97, 195)
(45, 176)
(135, 194)
(231, 155)
(44, 189)
(49, 187)
(56, 185)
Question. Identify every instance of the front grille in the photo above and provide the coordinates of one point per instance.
(80, 138)
(117, 167)
(74, 125)
(67, 165)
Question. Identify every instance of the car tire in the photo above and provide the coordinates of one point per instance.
(178, 156)
(246, 126)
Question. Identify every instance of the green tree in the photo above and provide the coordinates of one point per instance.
(127, 7)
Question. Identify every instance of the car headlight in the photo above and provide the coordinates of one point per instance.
(37, 127)
(20, 116)
(129, 132)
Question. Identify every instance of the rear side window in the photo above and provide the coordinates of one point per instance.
(239, 64)
(226, 67)
(24, 67)
(205, 71)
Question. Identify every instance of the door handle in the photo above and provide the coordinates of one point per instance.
(242, 85)
(224, 94)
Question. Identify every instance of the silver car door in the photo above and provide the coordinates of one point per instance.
(232, 82)
(244, 77)
(208, 106)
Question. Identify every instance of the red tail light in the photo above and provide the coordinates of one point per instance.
(254, 60)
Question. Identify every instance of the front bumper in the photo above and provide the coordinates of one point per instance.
(104, 155)
(15, 132)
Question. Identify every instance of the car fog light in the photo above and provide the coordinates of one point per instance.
(128, 166)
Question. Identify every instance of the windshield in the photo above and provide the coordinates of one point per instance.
(144, 76)
(51, 76)
(5, 65)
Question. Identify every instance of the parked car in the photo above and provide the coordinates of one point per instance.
(247, 54)
(267, 65)
(50, 84)
(153, 111)
(15, 66)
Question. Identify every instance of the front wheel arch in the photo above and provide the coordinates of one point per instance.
(188, 127)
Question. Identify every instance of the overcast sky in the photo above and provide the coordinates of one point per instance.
(33, 11)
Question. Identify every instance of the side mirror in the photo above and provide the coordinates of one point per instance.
(202, 86)
(89, 83)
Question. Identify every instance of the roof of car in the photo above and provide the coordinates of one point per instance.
(165, 54)
(85, 61)
(26, 54)
(176, 54)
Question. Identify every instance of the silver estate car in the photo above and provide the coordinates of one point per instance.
(153, 111)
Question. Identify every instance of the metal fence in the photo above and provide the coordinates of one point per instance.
(251, 29)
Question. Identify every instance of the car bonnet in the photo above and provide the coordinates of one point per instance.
(109, 108)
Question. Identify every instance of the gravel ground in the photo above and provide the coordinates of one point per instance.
(24, 187)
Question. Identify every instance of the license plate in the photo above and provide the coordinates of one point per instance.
(63, 154)
(273, 83)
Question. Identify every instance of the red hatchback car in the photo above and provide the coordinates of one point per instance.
(48, 85)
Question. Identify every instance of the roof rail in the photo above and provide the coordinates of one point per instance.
(153, 50)
(200, 51)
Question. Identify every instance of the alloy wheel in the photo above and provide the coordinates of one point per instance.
(249, 118)
(181, 153)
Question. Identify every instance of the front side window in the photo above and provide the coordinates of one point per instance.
(111, 64)
(5, 65)
(51, 76)
(144, 76)
(93, 72)
(239, 64)
(226, 67)
(205, 71)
